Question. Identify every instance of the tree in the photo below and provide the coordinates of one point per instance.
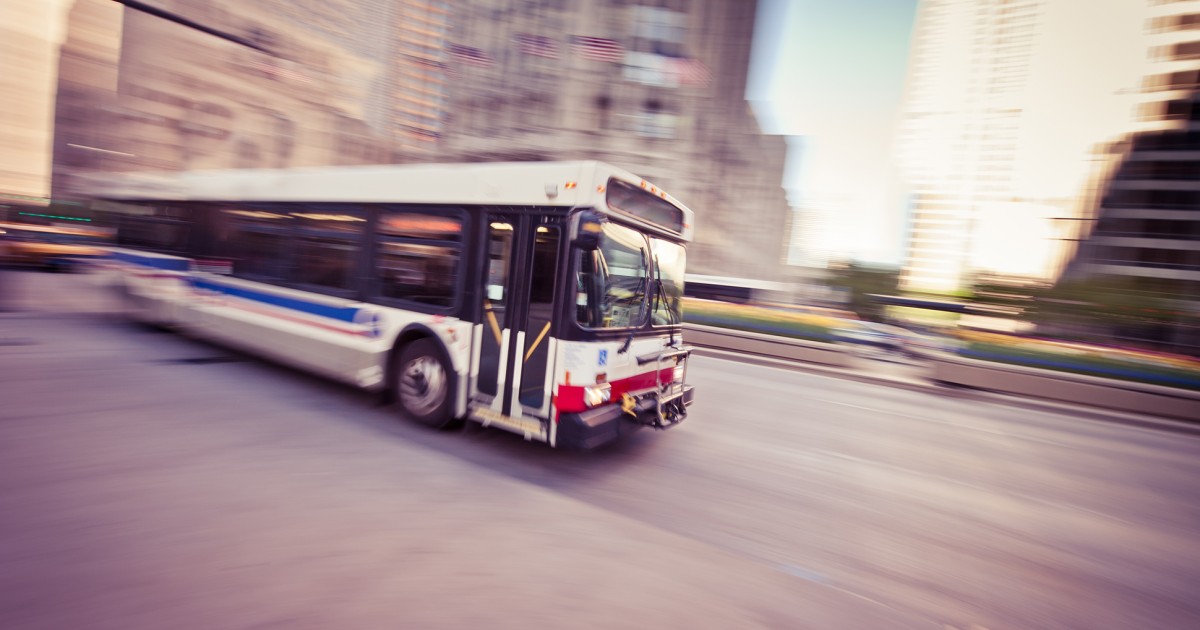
(859, 281)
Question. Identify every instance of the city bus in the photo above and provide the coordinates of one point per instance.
(543, 298)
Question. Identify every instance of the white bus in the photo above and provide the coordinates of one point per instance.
(541, 297)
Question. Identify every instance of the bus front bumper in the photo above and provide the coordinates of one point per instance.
(594, 428)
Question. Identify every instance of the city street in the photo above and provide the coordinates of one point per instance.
(151, 481)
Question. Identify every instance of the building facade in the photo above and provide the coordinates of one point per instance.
(657, 88)
(30, 36)
(654, 87)
(1147, 228)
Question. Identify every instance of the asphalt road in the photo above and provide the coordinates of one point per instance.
(150, 481)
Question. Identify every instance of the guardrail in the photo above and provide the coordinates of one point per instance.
(953, 370)
(1183, 404)
(772, 346)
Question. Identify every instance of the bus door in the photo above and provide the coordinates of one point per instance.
(518, 333)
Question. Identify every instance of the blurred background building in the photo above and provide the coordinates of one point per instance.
(656, 87)
(1146, 237)
(30, 36)
(1003, 99)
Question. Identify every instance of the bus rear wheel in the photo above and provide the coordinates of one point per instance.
(423, 384)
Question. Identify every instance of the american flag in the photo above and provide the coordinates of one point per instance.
(692, 72)
(597, 48)
(536, 45)
(471, 56)
(279, 70)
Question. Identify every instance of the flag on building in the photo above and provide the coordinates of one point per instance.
(470, 56)
(536, 45)
(597, 48)
(692, 72)
(279, 70)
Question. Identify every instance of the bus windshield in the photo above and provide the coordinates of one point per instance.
(612, 280)
(623, 280)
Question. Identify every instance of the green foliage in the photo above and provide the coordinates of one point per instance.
(1091, 363)
(767, 321)
(860, 281)
(1105, 301)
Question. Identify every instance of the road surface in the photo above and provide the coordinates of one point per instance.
(150, 481)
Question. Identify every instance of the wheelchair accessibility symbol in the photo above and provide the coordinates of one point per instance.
(603, 358)
(370, 320)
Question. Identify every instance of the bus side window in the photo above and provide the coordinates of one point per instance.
(418, 256)
(259, 242)
(327, 247)
(153, 227)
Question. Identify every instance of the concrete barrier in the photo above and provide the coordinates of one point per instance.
(765, 345)
(1107, 393)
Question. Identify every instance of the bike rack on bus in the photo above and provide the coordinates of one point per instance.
(665, 401)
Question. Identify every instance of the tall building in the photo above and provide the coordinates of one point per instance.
(1173, 71)
(1147, 228)
(1004, 100)
(30, 36)
(419, 101)
(655, 87)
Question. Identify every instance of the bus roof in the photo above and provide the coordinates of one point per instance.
(566, 183)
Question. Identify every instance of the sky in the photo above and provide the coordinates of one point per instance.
(830, 75)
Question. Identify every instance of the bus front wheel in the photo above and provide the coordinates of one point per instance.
(423, 384)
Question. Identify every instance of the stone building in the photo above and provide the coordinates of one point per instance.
(654, 87)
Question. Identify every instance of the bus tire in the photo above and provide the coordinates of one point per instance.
(424, 384)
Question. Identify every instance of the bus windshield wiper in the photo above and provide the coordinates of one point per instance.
(660, 290)
(625, 346)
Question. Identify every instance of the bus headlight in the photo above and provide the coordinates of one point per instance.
(594, 395)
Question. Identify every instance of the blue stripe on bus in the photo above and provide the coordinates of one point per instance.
(340, 313)
(154, 262)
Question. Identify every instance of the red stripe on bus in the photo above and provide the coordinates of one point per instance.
(570, 397)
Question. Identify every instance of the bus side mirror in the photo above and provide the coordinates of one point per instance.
(590, 227)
